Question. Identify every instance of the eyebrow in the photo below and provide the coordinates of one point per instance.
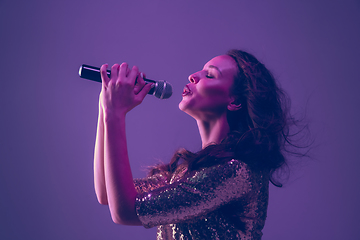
(212, 66)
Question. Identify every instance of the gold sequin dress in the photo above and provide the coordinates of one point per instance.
(224, 201)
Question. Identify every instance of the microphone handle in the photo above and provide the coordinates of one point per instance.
(93, 73)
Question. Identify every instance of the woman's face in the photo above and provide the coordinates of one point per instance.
(208, 93)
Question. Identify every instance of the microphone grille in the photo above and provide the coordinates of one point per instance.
(163, 90)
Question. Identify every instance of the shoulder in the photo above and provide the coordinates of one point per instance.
(233, 170)
(150, 183)
(225, 170)
(232, 166)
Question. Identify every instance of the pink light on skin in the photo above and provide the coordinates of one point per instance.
(208, 92)
(207, 98)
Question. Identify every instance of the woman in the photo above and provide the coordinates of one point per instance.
(220, 192)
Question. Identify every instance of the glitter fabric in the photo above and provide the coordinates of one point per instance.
(225, 201)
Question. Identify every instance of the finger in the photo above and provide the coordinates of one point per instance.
(104, 77)
(141, 95)
(127, 72)
(123, 71)
(140, 78)
(140, 83)
(115, 71)
(134, 73)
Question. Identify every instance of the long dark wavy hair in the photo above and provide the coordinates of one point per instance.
(259, 132)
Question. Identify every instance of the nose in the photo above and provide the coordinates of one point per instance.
(193, 78)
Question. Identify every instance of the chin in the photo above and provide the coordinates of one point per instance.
(182, 105)
(189, 111)
(182, 108)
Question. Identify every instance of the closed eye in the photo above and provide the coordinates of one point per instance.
(209, 76)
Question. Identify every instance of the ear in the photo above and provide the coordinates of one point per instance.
(234, 105)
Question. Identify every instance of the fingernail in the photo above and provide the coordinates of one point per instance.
(141, 75)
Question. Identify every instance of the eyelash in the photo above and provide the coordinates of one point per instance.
(209, 76)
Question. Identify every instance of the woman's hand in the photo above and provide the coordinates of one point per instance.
(120, 94)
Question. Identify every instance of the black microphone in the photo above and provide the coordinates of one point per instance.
(161, 89)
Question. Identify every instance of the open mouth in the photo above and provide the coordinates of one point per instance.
(186, 91)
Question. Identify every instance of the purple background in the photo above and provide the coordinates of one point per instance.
(48, 114)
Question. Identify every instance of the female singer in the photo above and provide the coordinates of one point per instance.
(219, 192)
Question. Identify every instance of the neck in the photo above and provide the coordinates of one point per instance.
(213, 131)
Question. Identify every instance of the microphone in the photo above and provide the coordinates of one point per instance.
(161, 89)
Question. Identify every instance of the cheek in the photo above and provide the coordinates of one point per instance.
(213, 90)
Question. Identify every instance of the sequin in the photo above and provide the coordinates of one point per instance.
(225, 201)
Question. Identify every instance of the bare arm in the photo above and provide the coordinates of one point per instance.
(119, 181)
(99, 174)
(119, 96)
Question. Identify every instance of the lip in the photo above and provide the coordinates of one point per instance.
(186, 91)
